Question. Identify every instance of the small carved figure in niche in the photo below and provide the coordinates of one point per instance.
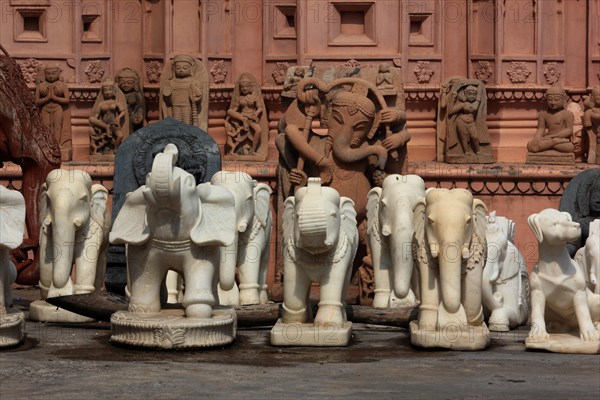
(52, 97)
(184, 91)
(552, 141)
(385, 79)
(591, 126)
(109, 121)
(462, 129)
(246, 124)
(580, 144)
(289, 87)
(131, 85)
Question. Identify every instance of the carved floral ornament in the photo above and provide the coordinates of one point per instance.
(424, 71)
(518, 72)
(94, 71)
(153, 71)
(219, 71)
(483, 71)
(552, 72)
(279, 72)
(30, 68)
(352, 63)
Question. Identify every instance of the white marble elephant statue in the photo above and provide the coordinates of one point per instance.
(390, 234)
(12, 228)
(588, 257)
(450, 251)
(505, 285)
(249, 251)
(171, 224)
(320, 239)
(75, 226)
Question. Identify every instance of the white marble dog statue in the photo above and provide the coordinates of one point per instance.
(560, 299)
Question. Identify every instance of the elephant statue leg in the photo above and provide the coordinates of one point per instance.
(471, 294)
(263, 295)
(295, 297)
(249, 264)
(331, 306)
(382, 275)
(198, 298)
(146, 282)
(173, 283)
(430, 299)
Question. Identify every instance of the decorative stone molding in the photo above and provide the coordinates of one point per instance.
(94, 71)
(483, 71)
(30, 68)
(423, 71)
(153, 70)
(552, 72)
(352, 63)
(279, 72)
(219, 71)
(518, 72)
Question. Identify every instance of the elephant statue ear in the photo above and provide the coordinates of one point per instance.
(348, 219)
(130, 226)
(98, 206)
(262, 197)
(12, 218)
(373, 210)
(216, 223)
(479, 219)
(288, 218)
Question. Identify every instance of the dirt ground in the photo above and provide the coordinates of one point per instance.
(74, 362)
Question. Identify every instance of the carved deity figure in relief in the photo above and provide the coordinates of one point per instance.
(130, 84)
(555, 126)
(591, 126)
(290, 85)
(52, 97)
(385, 79)
(462, 131)
(184, 91)
(246, 124)
(109, 120)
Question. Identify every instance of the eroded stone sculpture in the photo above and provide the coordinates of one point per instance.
(109, 122)
(246, 122)
(552, 141)
(184, 91)
(588, 257)
(12, 227)
(289, 86)
(450, 252)
(560, 299)
(462, 131)
(75, 225)
(171, 224)
(505, 285)
(130, 83)
(52, 97)
(319, 243)
(250, 250)
(390, 234)
(591, 127)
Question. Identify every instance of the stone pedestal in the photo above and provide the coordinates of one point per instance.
(551, 157)
(311, 335)
(41, 311)
(102, 157)
(171, 329)
(452, 336)
(564, 343)
(481, 158)
(12, 328)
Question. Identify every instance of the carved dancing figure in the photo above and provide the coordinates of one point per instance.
(130, 84)
(109, 121)
(591, 126)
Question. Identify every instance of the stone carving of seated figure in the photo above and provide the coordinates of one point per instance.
(552, 141)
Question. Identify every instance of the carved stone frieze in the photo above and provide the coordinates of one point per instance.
(219, 71)
(483, 71)
(279, 72)
(153, 70)
(30, 68)
(552, 72)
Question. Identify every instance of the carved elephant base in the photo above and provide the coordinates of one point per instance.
(12, 328)
(453, 336)
(563, 343)
(311, 335)
(41, 311)
(171, 329)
